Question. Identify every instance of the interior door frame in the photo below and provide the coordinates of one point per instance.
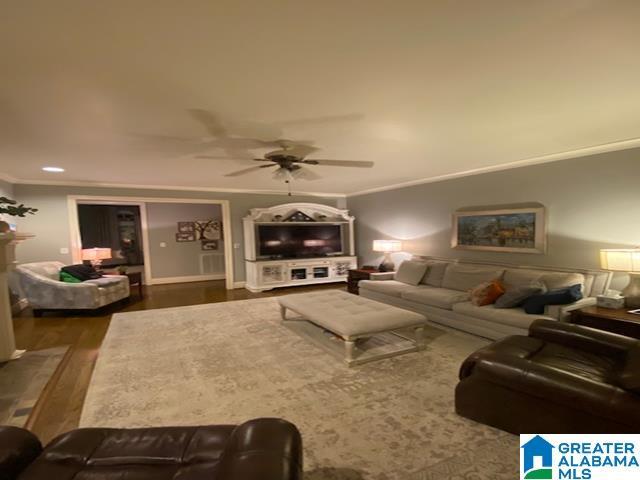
(76, 243)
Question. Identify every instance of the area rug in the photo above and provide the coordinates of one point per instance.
(229, 362)
(22, 382)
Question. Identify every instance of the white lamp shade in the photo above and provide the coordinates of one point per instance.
(387, 246)
(96, 253)
(620, 260)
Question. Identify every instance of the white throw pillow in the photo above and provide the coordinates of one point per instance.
(411, 272)
(435, 273)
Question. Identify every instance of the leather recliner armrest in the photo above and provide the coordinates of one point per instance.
(582, 338)
(18, 448)
(263, 449)
(552, 384)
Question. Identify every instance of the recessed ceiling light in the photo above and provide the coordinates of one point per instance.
(53, 169)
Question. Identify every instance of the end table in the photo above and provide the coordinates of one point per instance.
(617, 320)
(355, 275)
(135, 279)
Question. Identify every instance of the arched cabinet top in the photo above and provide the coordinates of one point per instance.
(314, 211)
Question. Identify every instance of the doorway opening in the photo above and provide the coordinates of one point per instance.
(168, 240)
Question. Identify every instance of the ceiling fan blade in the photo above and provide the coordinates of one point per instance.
(210, 121)
(351, 117)
(339, 163)
(247, 170)
(214, 157)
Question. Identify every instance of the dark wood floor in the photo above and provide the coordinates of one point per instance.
(60, 405)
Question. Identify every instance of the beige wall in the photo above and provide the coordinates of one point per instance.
(592, 203)
(51, 223)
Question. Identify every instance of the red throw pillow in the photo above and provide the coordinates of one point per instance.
(486, 293)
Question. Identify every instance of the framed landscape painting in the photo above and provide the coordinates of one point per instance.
(519, 230)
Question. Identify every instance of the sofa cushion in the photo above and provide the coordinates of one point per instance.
(388, 287)
(518, 277)
(562, 296)
(436, 297)
(465, 277)
(514, 317)
(435, 273)
(411, 272)
(515, 296)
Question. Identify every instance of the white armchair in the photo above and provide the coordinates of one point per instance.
(43, 290)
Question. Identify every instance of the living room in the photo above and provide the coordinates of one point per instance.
(351, 241)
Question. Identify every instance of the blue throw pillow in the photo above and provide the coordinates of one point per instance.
(536, 303)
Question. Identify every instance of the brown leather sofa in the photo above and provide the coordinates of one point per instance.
(260, 449)
(561, 378)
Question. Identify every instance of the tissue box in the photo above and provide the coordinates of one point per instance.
(610, 302)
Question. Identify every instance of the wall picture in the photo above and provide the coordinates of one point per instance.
(185, 237)
(208, 229)
(520, 230)
(209, 244)
(186, 227)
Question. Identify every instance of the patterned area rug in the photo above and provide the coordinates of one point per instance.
(228, 362)
(22, 382)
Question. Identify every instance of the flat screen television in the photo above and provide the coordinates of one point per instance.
(298, 241)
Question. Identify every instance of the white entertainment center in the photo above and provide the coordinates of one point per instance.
(265, 272)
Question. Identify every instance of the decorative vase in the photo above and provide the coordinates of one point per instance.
(632, 291)
(387, 264)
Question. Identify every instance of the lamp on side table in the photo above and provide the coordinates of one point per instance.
(625, 260)
(387, 247)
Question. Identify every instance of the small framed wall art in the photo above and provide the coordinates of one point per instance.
(209, 244)
(186, 227)
(185, 237)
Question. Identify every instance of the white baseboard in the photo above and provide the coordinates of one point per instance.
(239, 284)
(189, 278)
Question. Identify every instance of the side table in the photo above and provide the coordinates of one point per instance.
(618, 320)
(355, 275)
(135, 279)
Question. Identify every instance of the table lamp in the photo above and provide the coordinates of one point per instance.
(625, 260)
(96, 255)
(387, 247)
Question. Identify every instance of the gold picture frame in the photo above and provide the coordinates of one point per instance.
(515, 230)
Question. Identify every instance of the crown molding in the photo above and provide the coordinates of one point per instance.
(62, 183)
(553, 157)
(8, 178)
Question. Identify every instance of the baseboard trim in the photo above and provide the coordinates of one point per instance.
(239, 284)
(188, 278)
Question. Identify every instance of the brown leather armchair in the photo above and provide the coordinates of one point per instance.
(260, 449)
(562, 378)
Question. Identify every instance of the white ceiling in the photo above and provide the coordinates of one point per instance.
(422, 88)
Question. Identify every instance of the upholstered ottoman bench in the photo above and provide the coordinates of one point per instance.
(352, 317)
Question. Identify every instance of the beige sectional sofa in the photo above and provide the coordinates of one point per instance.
(443, 294)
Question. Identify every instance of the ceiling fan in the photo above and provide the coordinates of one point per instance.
(291, 162)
